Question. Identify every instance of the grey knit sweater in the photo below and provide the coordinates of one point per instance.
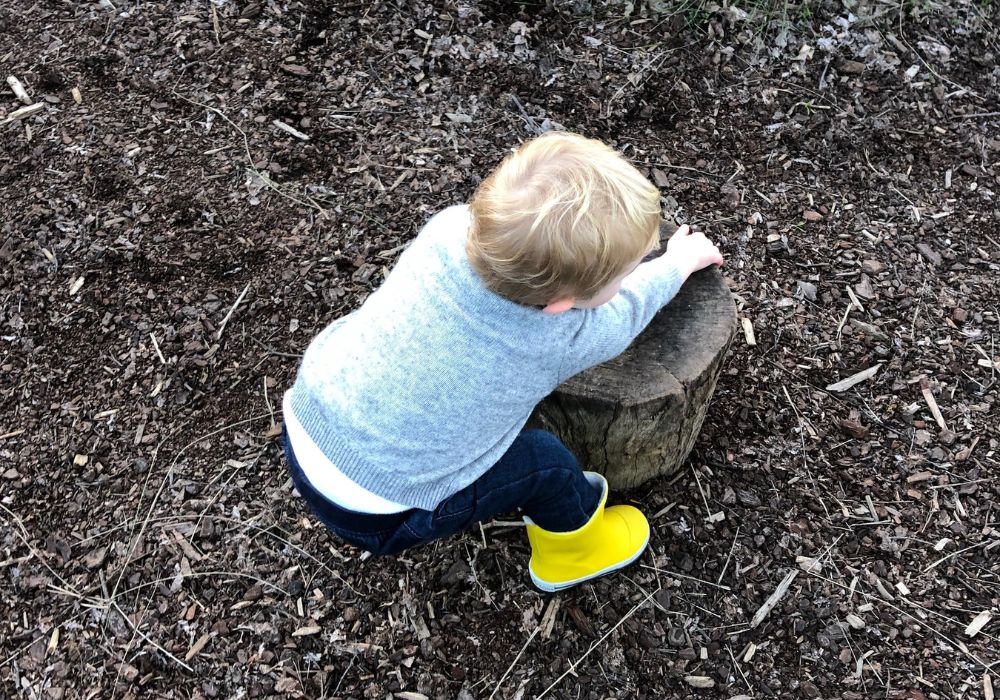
(421, 390)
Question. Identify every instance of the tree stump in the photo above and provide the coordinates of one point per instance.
(637, 416)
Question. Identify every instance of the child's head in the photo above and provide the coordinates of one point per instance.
(563, 218)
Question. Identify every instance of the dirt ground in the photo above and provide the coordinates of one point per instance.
(205, 185)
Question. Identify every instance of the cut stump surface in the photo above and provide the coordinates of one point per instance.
(637, 416)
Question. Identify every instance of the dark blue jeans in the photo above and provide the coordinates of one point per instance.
(537, 474)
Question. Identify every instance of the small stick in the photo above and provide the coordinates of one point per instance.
(955, 554)
(708, 510)
(847, 313)
(18, 89)
(775, 598)
(215, 24)
(22, 113)
(270, 408)
(863, 375)
(156, 346)
(549, 618)
(290, 129)
(738, 667)
(979, 115)
(222, 327)
(925, 389)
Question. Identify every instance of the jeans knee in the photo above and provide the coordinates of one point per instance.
(549, 450)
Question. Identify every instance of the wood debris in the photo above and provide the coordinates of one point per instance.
(977, 624)
(925, 390)
(700, 681)
(287, 128)
(774, 599)
(862, 376)
(18, 89)
(23, 113)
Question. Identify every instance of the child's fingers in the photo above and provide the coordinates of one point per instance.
(717, 256)
(684, 230)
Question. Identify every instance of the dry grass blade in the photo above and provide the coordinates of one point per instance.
(572, 666)
(514, 662)
(159, 491)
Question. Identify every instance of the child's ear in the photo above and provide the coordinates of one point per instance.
(559, 306)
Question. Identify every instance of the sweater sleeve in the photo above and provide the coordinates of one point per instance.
(606, 331)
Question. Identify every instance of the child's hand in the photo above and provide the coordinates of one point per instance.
(692, 251)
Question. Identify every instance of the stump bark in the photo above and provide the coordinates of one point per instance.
(637, 416)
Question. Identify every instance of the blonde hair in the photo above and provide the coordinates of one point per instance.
(561, 217)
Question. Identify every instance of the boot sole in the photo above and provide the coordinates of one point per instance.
(550, 587)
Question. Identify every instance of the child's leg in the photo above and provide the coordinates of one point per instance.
(537, 474)
(573, 537)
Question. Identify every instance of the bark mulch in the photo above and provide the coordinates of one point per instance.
(202, 186)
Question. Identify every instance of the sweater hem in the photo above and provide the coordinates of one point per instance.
(381, 482)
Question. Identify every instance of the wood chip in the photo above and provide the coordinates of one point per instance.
(549, 618)
(855, 621)
(697, 682)
(748, 331)
(197, 646)
(53, 641)
(981, 620)
(420, 627)
(775, 598)
(987, 687)
(290, 130)
(18, 88)
(860, 666)
(854, 299)
(925, 390)
(883, 591)
(23, 113)
(76, 285)
(307, 630)
(864, 375)
(811, 565)
(458, 117)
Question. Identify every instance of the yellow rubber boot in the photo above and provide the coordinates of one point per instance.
(612, 539)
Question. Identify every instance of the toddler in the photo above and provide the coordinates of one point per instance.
(405, 422)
